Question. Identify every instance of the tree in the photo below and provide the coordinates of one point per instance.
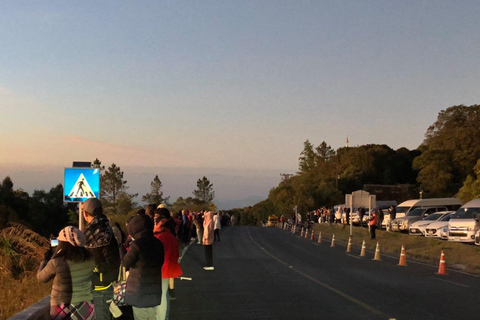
(113, 193)
(471, 186)
(204, 191)
(436, 173)
(156, 195)
(457, 130)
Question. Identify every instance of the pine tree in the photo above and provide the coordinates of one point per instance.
(204, 191)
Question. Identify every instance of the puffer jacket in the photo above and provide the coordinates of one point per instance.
(144, 260)
(71, 280)
(101, 243)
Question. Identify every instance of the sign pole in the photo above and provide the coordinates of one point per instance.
(81, 220)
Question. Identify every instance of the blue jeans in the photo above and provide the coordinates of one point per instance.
(101, 306)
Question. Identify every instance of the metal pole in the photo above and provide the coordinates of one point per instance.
(81, 220)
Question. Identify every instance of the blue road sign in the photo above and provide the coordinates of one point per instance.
(81, 184)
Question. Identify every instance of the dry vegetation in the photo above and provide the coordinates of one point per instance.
(457, 255)
(21, 251)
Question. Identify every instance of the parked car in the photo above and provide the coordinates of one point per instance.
(464, 225)
(439, 229)
(403, 224)
(418, 228)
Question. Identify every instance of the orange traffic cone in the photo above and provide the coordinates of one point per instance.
(319, 236)
(362, 252)
(301, 233)
(349, 245)
(403, 258)
(312, 237)
(442, 269)
(333, 242)
(377, 253)
(306, 233)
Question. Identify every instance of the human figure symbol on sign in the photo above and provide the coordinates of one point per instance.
(80, 190)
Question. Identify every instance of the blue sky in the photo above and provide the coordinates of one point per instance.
(223, 85)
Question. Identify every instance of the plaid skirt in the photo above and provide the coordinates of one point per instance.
(80, 311)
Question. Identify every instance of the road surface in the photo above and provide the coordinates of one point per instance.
(269, 273)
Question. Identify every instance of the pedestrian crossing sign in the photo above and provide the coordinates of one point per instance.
(81, 184)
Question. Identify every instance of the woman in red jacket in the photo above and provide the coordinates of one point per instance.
(171, 268)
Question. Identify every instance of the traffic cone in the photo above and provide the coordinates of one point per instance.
(319, 236)
(442, 269)
(306, 233)
(403, 258)
(349, 245)
(333, 242)
(301, 233)
(362, 252)
(294, 229)
(312, 237)
(377, 253)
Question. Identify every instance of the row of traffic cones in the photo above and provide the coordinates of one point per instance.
(442, 270)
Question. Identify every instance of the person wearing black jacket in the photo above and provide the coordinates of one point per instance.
(101, 243)
(144, 261)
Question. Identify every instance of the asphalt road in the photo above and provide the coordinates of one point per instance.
(269, 273)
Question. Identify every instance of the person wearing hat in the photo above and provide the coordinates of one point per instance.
(101, 243)
(144, 261)
(70, 266)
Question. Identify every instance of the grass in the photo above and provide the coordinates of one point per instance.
(21, 251)
(457, 255)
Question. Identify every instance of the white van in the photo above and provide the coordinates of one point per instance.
(452, 204)
(463, 225)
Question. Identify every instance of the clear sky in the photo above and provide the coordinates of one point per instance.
(226, 84)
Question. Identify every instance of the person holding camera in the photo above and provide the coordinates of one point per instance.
(70, 266)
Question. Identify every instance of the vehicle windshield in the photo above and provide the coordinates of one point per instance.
(447, 217)
(466, 213)
(433, 216)
(401, 209)
(416, 212)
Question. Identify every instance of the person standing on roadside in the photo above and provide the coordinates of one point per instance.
(208, 240)
(373, 224)
(361, 214)
(144, 262)
(171, 268)
(101, 243)
(380, 216)
(393, 214)
(70, 267)
(217, 226)
(198, 222)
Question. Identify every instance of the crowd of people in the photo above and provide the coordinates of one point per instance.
(85, 264)
(341, 215)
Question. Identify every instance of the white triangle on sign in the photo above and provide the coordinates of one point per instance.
(81, 189)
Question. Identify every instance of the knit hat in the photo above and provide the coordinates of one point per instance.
(73, 235)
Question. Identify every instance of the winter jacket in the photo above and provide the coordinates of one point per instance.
(217, 223)
(208, 236)
(171, 268)
(72, 281)
(373, 219)
(144, 260)
(101, 243)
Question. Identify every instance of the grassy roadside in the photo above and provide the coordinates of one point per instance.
(457, 255)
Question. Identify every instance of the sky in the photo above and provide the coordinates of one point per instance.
(229, 89)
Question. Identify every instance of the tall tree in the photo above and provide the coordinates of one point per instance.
(457, 130)
(113, 191)
(204, 191)
(156, 194)
(471, 186)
